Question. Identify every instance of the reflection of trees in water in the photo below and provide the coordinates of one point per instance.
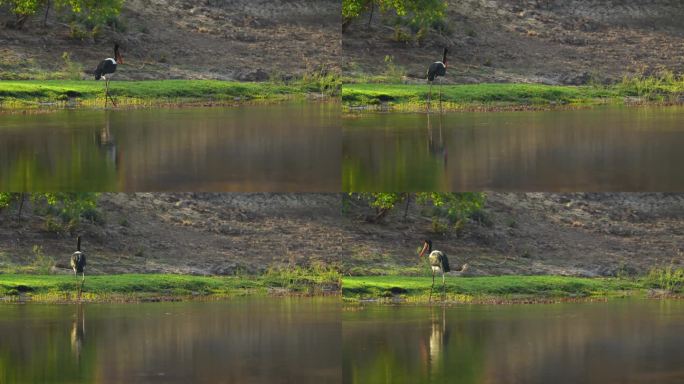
(55, 150)
(595, 148)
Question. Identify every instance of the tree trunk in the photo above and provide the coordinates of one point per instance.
(47, 11)
(406, 208)
(21, 204)
(370, 19)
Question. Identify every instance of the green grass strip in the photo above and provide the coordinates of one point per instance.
(465, 289)
(23, 93)
(132, 287)
(409, 97)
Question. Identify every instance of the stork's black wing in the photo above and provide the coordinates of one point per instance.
(105, 67)
(445, 263)
(78, 261)
(436, 69)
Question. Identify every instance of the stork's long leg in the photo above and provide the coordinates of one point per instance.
(429, 96)
(106, 90)
(112, 99)
(440, 95)
(443, 287)
(80, 286)
(433, 286)
(107, 95)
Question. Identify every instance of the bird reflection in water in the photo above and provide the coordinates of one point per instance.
(78, 332)
(438, 338)
(433, 347)
(107, 143)
(435, 144)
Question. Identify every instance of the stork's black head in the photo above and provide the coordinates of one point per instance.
(444, 56)
(78, 243)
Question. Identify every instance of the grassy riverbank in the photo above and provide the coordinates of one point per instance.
(90, 93)
(510, 96)
(164, 287)
(491, 289)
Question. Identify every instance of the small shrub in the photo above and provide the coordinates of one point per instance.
(482, 218)
(53, 226)
(77, 32)
(93, 215)
(439, 227)
(42, 264)
(668, 278)
(393, 72)
(402, 37)
(320, 79)
(72, 70)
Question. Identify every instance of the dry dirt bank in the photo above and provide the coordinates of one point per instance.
(182, 39)
(573, 234)
(581, 234)
(550, 41)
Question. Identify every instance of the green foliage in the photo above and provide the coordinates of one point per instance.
(88, 12)
(64, 211)
(67, 205)
(297, 278)
(453, 206)
(418, 14)
(87, 16)
(456, 206)
(661, 86)
(5, 199)
(352, 9)
(321, 80)
(669, 278)
(23, 7)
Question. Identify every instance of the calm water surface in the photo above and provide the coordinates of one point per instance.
(601, 149)
(284, 147)
(287, 340)
(627, 341)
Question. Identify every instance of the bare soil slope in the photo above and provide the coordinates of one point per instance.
(182, 39)
(580, 234)
(550, 41)
(573, 234)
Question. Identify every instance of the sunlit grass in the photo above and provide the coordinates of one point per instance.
(413, 97)
(163, 286)
(14, 94)
(466, 289)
